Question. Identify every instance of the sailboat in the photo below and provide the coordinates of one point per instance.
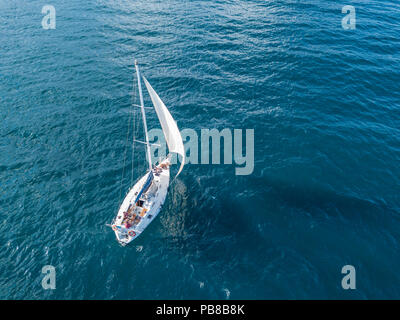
(144, 200)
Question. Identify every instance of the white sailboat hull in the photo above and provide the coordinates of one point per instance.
(133, 218)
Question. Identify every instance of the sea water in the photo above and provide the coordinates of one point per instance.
(320, 91)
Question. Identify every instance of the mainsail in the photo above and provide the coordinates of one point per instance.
(168, 125)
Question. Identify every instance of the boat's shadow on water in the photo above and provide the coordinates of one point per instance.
(287, 231)
(321, 202)
(190, 218)
(174, 213)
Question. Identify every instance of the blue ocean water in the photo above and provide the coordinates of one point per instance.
(324, 104)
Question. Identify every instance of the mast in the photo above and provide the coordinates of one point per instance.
(143, 114)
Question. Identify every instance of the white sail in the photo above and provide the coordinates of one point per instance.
(168, 125)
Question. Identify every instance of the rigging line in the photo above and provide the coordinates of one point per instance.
(145, 157)
(140, 126)
(133, 147)
(125, 152)
(133, 127)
